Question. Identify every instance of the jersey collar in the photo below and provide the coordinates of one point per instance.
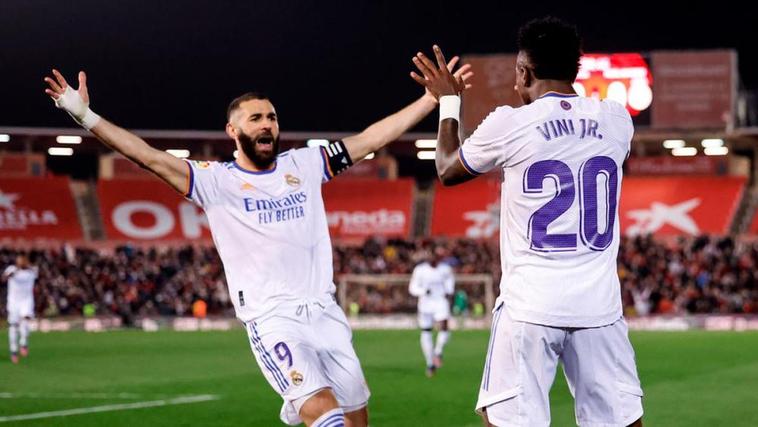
(265, 172)
(552, 94)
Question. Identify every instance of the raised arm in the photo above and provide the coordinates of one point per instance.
(447, 88)
(76, 103)
(392, 127)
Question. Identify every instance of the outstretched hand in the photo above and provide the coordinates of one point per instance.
(439, 79)
(73, 101)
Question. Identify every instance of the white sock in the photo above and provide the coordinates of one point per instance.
(13, 337)
(442, 338)
(24, 329)
(427, 344)
(333, 418)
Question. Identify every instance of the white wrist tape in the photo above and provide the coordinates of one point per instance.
(71, 102)
(450, 107)
(89, 120)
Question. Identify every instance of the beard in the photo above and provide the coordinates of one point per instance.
(254, 149)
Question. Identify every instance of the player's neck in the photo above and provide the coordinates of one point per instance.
(543, 87)
(248, 164)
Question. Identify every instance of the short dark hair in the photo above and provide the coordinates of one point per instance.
(553, 47)
(235, 104)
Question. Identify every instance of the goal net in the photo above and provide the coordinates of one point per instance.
(382, 301)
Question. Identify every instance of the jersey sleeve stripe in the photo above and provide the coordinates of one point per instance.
(465, 164)
(327, 169)
(190, 181)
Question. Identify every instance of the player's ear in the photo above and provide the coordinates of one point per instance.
(231, 131)
(528, 76)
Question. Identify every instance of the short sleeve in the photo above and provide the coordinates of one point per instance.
(626, 130)
(202, 187)
(486, 148)
(313, 161)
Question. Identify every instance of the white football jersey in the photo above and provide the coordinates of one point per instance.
(20, 285)
(559, 228)
(428, 282)
(270, 229)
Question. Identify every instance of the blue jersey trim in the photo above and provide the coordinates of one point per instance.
(265, 172)
(467, 166)
(558, 95)
(191, 184)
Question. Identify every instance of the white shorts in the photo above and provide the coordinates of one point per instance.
(521, 363)
(432, 310)
(20, 309)
(301, 350)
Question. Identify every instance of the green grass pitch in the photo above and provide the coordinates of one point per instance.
(690, 379)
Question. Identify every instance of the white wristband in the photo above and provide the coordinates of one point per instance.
(89, 120)
(450, 107)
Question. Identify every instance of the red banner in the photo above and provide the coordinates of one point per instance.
(361, 208)
(38, 208)
(672, 206)
(142, 210)
(662, 206)
(694, 89)
(139, 209)
(471, 209)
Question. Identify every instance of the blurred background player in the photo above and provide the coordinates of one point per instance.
(561, 156)
(20, 280)
(432, 282)
(268, 222)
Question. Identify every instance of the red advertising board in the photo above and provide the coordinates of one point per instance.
(471, 209)
(657, 205)
(672, 206)
(38, 208)
(148, 210)
(368, 207)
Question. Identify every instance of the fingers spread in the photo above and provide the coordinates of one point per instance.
(61, 80)
(83, 86)
(428, 63)
(53, 94)
(441, 63)
(53, 85)
(422, 67)
(451, 64)
(420, 80)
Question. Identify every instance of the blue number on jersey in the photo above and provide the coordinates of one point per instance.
(564, 198)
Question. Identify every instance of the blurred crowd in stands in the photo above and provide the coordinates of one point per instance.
(686, 275)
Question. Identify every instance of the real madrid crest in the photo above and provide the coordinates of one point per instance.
(292, 180)
(297, 377)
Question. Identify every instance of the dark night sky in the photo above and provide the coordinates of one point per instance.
(328, 66)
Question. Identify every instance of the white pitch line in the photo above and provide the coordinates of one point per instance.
(8, 395)
(108, 408)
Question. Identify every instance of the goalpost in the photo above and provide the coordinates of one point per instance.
(384, 298)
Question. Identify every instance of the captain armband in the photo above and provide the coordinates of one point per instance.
(336, 158)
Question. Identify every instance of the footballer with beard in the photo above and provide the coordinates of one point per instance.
(268, 222)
